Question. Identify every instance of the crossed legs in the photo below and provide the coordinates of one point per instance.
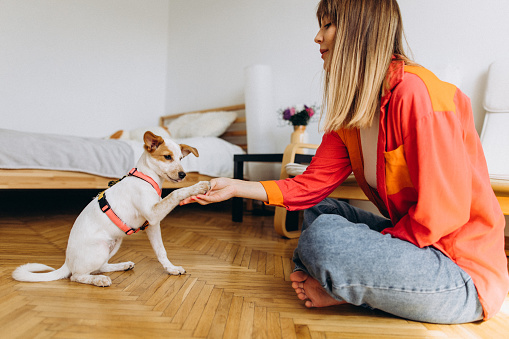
(343, 258)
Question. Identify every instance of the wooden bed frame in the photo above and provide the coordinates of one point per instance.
(52, 179)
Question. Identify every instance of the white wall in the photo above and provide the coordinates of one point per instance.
(82, 67)
(466, 34)
(212, 42)
(87, 67)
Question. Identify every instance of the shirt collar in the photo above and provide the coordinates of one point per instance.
(393, 78)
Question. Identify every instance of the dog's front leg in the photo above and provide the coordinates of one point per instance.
(154, 235)
(159, 211)
(172, 200)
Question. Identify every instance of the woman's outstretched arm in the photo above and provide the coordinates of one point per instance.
(224, 188)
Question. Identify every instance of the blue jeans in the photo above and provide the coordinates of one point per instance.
(341, 246)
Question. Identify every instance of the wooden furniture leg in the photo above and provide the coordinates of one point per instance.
(348, 190)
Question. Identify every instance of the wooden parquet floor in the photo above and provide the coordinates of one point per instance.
(236, 285)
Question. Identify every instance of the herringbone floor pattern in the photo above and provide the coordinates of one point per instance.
(236, 284)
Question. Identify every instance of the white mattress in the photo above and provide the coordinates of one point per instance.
(104, 157)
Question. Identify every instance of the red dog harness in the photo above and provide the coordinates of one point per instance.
(106, 208)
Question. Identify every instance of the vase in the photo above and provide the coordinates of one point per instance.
(299, 135)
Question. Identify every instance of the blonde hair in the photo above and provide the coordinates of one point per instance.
(368, 34)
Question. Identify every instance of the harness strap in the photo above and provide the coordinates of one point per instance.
(135, 173)
(106, 208)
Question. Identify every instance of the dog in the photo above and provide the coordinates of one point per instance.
(134, 200)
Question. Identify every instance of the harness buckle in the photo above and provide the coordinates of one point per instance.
(131, 231)
(145, 225)
(103, 203)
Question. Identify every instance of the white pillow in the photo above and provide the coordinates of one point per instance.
(209, 124)
(137, 134)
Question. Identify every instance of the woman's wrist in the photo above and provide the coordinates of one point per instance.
(249, 190)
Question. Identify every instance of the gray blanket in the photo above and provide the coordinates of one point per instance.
(103, 157)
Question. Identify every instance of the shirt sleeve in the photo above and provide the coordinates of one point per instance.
(328, 169)
(440, 170)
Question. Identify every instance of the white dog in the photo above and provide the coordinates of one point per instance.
(132, 202)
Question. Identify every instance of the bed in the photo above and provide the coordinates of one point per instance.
(65, 162)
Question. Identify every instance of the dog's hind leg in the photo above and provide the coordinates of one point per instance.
(83, 265)
(114, 247)
(97, 280)
(122, 266)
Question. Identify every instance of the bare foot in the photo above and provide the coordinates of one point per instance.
(309, 289)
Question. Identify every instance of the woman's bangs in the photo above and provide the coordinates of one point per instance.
(325, 10)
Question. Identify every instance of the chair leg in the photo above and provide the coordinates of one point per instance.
(280, 213)
(280, 224)
(293, 220)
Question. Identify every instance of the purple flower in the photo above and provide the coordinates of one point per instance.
(287, 114)
(297, 115)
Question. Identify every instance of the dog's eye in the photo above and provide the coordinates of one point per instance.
(167, 157)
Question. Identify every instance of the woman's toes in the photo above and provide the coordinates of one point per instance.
(302, 296)
(299, 276)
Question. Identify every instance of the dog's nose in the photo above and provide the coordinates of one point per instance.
(182, 175)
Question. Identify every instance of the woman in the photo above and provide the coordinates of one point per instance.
(410, 140)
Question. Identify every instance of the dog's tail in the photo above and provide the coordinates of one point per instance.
(26, 273)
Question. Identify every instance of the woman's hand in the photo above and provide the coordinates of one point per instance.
(222, 189)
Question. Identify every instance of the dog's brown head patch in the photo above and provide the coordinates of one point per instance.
(163, 153)
(155, 145)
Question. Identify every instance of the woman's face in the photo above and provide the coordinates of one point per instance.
(325, 38)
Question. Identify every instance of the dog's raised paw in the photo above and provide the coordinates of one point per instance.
(203, 187)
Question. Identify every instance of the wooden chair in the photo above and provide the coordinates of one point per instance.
(494, 136)
(349, 190)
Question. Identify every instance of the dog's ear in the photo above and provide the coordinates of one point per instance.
(152, 141)
(188, 149)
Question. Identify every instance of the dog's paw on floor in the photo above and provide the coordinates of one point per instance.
(97, 280)
(175, 270)
(128, 266)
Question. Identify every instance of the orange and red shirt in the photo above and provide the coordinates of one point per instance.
(432, 178)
